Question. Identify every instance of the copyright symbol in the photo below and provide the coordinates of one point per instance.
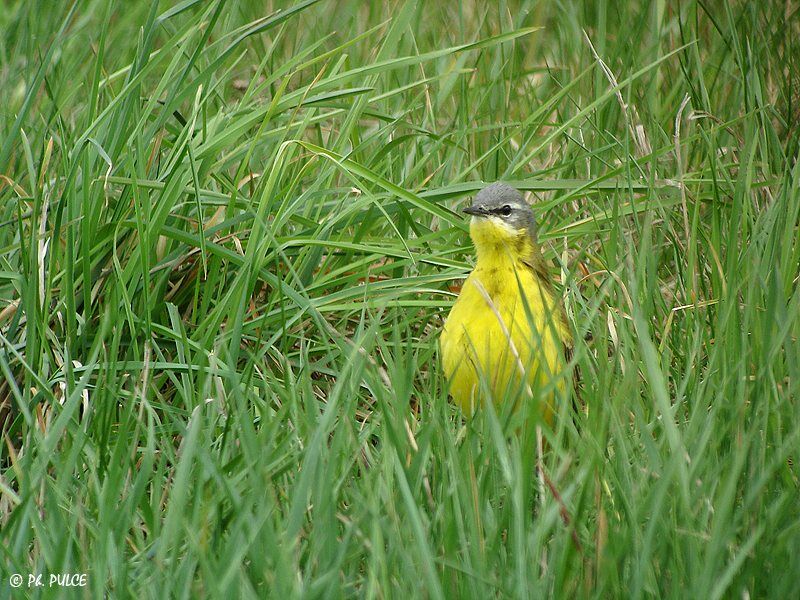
(15, 580)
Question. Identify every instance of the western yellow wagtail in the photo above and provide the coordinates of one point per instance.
(507, 326)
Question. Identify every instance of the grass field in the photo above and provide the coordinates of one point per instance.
(230, 234)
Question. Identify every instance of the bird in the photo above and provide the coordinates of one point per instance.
(506, 334)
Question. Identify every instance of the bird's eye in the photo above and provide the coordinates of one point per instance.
(505, 210)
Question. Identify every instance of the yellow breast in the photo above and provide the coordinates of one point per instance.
(504, 337)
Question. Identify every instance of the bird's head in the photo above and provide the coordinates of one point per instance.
(501, 218)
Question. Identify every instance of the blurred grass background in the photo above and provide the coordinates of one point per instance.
(229, 237)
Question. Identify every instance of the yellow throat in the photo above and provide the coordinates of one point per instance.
(505, 335)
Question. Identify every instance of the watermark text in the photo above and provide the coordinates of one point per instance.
(39, 580)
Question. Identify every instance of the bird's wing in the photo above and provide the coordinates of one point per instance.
(541, 272)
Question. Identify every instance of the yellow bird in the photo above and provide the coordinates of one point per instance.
(507, 327)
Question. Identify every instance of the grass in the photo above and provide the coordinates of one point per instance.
(229, 236)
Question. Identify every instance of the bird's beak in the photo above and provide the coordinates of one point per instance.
(475, 211)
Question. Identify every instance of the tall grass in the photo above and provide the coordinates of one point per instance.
(229, 237)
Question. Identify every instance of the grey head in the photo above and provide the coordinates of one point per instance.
(505, 203)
